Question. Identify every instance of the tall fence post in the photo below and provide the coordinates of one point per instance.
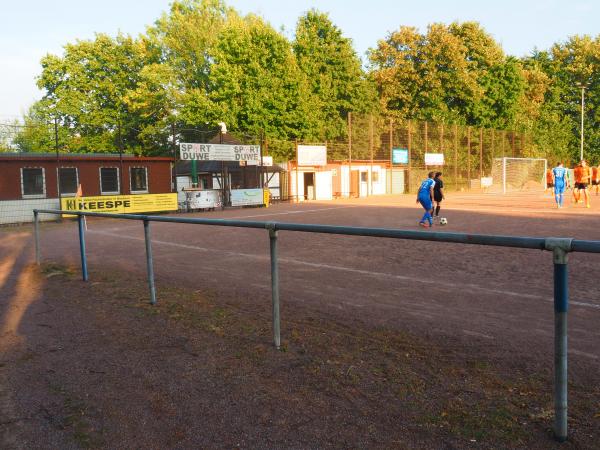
(480, 154)
(391, 146)
(409, 148)
(36, 232)
(275, 286)
(349, 154)
(84, 269)
(560, 248)
(149, 262)
(456, 156)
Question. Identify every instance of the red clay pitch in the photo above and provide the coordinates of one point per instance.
(496, 294)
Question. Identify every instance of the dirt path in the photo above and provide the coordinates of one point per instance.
(389, 344)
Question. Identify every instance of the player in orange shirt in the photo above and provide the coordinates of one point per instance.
(582, 179)
(595, 179)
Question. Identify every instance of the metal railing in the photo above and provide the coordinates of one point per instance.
(560, 248)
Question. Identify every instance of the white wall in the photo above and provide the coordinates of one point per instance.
(19, 211)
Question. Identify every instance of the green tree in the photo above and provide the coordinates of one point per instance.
(86, 89)
(336, 80)
(453, 73)
(256, 85)
(566, 65)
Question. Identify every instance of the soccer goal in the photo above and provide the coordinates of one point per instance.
(519, 174)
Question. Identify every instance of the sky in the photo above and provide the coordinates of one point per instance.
(31, 29)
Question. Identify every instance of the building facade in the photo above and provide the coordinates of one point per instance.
(40, 180)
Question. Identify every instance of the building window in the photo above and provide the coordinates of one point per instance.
(67, 180)
(375, 177)
(33, 182)
(363, 177)
(139, 179)
(109, 180)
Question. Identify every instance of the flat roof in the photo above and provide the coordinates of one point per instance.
(79, 156)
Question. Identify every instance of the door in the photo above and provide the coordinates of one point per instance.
(397, 181)
(309, 185)
(354, 183)
(324, 186)
(364, 183)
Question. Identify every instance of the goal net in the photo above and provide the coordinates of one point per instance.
(518, 174)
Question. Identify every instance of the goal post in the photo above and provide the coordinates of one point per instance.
(519, 174)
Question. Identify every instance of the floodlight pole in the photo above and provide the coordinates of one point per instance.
(582, 115)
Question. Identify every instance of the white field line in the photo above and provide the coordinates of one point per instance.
(580, 353)
(301, 211)
(131, 227)
(457, 286)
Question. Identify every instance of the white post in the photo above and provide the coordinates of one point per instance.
(544, 180)
(504, 175)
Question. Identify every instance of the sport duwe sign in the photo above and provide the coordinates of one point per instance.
(220, 152)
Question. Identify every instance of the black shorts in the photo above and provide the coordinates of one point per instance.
(437, 197)
(581, 185)
(550, 185)
(595, 182)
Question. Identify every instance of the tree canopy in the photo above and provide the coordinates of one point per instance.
(202, 62)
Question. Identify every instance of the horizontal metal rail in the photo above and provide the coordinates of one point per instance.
(560, 248)
(435, 236)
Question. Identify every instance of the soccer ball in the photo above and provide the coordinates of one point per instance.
(443, 221)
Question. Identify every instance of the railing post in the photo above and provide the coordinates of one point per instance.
(560, 249)
(149, 261)
(36, 232)
(275, 286)
(84, 270)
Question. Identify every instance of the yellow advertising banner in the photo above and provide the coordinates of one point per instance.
(122, 204)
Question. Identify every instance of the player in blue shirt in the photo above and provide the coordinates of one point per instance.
(561, 182)
(425, 198)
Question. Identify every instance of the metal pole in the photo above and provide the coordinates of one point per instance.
(261, 183)
(426, 138)
(492, 158)
(513, 143)
(57, 162)
(36, 232)
(174, 169)
(468, 157)
(349, 154)
(149, 262)
(582, 109)
(120, 158)
(370, 187)
(84, 269)
(409, 142)
(504, 175)
(456, 156)
(275, 288)
(391, 135)
(560, 249)
(480, 154)
(297, 193)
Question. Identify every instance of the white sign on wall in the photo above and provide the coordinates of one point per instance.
(312, 155)
(267, 161)
(434, 159)
(245, 197)
(219, 152)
